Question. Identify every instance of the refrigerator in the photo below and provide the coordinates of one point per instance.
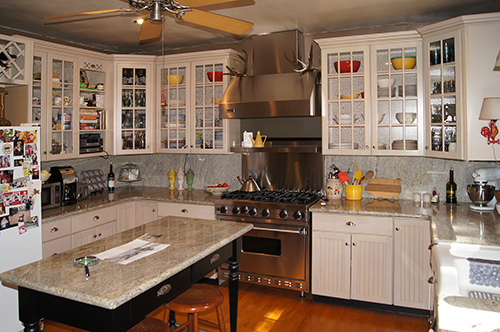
(20, 211)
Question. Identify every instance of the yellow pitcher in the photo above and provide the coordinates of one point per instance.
(258, 142)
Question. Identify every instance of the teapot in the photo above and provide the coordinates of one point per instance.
(249, 185)
(258, 142)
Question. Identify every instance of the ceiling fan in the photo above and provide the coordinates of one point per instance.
(184, 10)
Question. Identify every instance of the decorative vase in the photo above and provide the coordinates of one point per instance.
(171, 178)
(180, 179)
(190, 179)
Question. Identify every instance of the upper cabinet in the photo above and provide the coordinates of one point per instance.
(459, 56)
(189, 89)
(133, 104)
(15, 60)
(372, 99)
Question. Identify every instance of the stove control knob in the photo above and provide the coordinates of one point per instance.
(266, 213)
(253, 212)
(283, 214)
(244, 209)
(297, 215)
(236, 210)
(223, 209)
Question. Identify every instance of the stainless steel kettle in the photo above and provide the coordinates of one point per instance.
(250, 184)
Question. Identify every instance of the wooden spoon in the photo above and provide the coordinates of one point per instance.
(367, 176)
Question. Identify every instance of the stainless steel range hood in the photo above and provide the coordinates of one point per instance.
(274, 89)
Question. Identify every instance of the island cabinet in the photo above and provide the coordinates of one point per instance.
(371, 105)
(412, 263)
(186, 210)
(56, 237)
(352, 257)
(92, 226)
(189, 88)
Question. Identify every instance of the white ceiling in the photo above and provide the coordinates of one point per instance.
(117, 34)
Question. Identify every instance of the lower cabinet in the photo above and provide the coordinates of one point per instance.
(145, 211)
(372, 259)
(56, 237)
(92, 226)
(126, 216)
(186, 210)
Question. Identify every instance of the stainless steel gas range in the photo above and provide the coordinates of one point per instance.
(276, 252)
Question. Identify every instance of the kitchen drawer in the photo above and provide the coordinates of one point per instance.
(92, 219)
(186, 210)
(352, 223)
(56, 229)
(209, 263)
(56, 246)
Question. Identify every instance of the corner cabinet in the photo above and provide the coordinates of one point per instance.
(372, 106)
(133, 104)
(189, 89)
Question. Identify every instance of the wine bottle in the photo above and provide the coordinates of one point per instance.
(451, 189)
(111, 178)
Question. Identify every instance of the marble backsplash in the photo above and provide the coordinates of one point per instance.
(417, 174)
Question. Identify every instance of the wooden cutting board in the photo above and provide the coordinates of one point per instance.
(384, 188)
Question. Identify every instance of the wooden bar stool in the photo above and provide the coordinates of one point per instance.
(199, 298)
(150, 324)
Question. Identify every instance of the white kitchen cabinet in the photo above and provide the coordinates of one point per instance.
(360, 113)
(460, 54)
(352, 257)
(56, 237)
(187, 110)
(126, 216)
(412, 262)
(133, 104)
(93, 226)
(16, 53)
(145, 211)
(186, 210)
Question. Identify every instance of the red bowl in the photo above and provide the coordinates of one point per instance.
(218, 76)
(345, 66)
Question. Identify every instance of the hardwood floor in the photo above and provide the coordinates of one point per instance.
(266, 309)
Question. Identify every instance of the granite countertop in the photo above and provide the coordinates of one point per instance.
(449, 223)
(122, 195)
(112, 284)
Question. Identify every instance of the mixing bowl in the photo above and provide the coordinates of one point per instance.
(480, 194)
(409, 118)
(410, 62)
(218, 76)
(345, 66)
(175, 79)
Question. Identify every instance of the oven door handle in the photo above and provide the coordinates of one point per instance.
(303, 231)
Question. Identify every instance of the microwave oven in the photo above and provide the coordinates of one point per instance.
(51, 195)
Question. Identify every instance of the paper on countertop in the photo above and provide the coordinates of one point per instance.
(132, 251)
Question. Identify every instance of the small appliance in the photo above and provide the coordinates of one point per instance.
(90, 143)
(482, 192)
(51, 195)
(68, 178)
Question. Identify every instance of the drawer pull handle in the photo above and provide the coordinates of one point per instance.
(347, 244)
(164, 290)
(430, 280)
(154, 210)
(99, 234)
(96, 218)
(184, 211)
(397, 229)
(214, 258)
(54, 229)
(350, 223)
(95, 236)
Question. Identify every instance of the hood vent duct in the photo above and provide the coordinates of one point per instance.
(274, 89)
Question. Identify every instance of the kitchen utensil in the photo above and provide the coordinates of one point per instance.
(354, 172)
(353, 192)
(384, 188)
(343, 177)
(367, 177)
(250, 184)
(357, 177)
(333, 189)
(85, 261)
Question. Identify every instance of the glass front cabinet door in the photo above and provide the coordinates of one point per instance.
(189, 90)
(63, 116)
(133, 117)
(443, 104)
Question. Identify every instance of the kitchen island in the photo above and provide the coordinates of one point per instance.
(115, 297)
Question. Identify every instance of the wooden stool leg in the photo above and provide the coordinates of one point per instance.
(220, 318)
(196, 325)
(171, 320)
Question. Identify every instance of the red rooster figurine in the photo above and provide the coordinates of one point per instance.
(490, 132)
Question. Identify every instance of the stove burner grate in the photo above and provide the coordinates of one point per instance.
(275, 196)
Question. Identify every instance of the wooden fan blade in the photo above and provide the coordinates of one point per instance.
(150, 32)
(216, 21)
(97, 12)
(201, 3)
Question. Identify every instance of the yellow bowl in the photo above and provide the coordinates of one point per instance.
(356, 95)
(410, 62)
(409, 117)
(175, 79)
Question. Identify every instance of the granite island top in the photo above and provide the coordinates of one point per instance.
(112, 284)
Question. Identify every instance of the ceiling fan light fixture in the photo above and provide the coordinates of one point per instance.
(139, 21)
(156, 13)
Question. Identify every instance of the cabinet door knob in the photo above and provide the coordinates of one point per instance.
(347, 244)
(397, 229)
(54, 229)
(354, 244)
(154, 210)
(95, 236)
(99, 234)
(184, 211)
(430, 280)
(427, 147)
(367, 146)
(374, 147)
(350, 224)
(96, 218)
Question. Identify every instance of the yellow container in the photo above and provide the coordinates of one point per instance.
(175, 79)
(353, 192)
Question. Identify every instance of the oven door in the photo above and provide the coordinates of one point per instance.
(279, 251)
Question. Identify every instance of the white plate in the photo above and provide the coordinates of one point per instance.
(216, 190)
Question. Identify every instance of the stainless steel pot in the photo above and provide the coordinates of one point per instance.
(250, 184)
(480, 194)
